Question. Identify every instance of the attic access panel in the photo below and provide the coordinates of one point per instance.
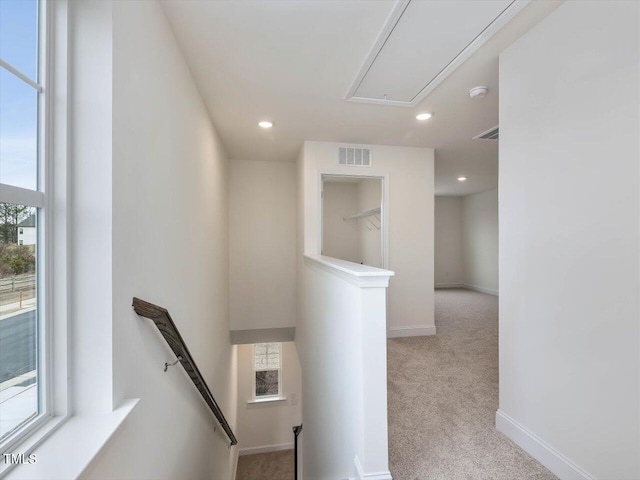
(422, 43)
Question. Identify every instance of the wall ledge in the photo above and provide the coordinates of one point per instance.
(362, 276)
(70, 450)
(261, 335)
(548, 456)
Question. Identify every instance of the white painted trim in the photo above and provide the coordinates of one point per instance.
(265, 449)
(21, 196)
(449, 285)
(401, 5)
(279, 398)
(548, 456)
(362, 276)
(359, 172)
(411, 331)
(480, 289)
(391, 22)
(25, 78)
(385, 475)
(485, 132)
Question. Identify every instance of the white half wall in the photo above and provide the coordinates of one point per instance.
(569, 241)
(480, 241)
(448, 242)
(411, 211)
(170, 247)
(341, 340)
(267, 427)
(262, 244)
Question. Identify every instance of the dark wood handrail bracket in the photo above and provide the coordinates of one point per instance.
(163, 321)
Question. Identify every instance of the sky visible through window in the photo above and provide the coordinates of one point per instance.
(18, 100)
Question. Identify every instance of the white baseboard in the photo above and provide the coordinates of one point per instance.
(449, 285)
(548, 456)
(411, 331)
(386, 475)
(236, 453)
(266, 449)
(480, 289)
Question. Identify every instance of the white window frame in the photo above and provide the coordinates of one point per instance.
(51, 255)
(254, 370)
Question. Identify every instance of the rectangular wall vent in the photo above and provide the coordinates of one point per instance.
(491, 134)
(354, 157)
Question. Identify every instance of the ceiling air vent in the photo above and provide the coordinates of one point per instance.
(491, 134)
(354, 157)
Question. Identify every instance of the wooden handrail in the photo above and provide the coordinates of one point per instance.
(163, 321)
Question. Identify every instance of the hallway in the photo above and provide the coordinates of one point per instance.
(443, 395)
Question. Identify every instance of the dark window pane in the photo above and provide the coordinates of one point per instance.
(18, 132)
(19, 35)
(266, 383)
(18, 317)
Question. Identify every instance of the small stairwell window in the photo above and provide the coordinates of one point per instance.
(267, 371)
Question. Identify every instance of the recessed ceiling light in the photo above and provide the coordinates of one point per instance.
(423, 116)
(462, 179)
(265, 124)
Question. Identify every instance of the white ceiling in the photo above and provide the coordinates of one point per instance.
(292, 62)
(438, 31)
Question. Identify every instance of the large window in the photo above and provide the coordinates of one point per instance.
(22, 212)
(267, 370)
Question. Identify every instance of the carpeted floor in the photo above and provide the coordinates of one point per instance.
(266, 466)
(443, 395)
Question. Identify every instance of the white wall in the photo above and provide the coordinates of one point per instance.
(480, 241)
(170, 247)
(267, 426)
(569, 240)
(262, 236)
(411, 204)
(340, 238)
(370, 197)
(448, 242)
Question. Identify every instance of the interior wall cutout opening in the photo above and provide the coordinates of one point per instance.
(352, 219)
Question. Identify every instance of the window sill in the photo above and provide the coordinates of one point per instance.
(266, 400)
(61, 455)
